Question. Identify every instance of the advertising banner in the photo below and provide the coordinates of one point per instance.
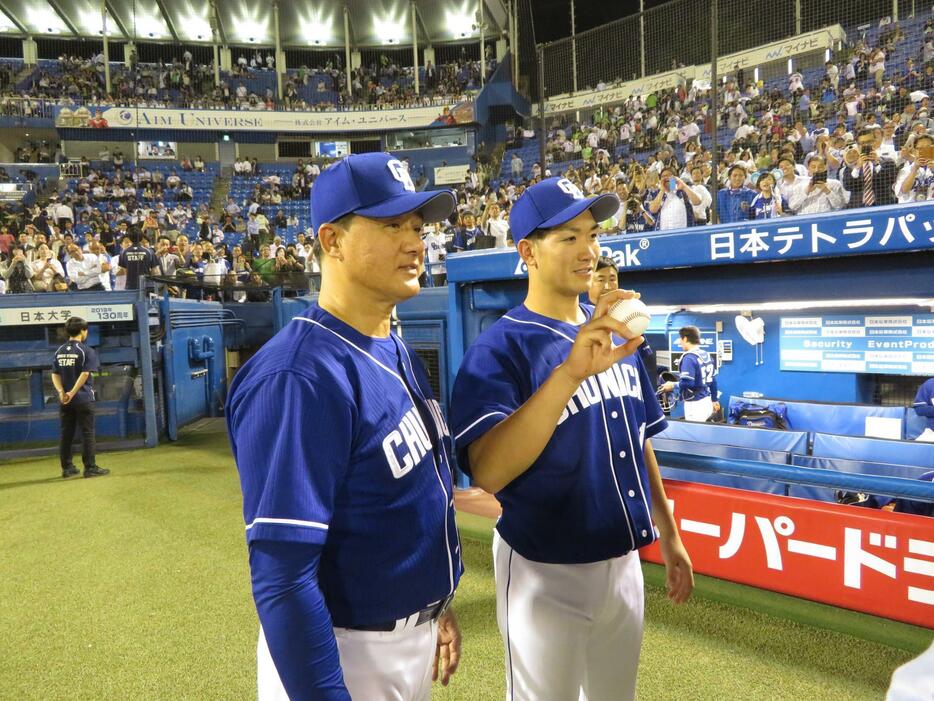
(264, 120)
(59, 314)
(851, 232)
(810, 42)
(877, 562)
(451, 175)
(888, 345)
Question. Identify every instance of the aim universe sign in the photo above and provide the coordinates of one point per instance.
(245, 120)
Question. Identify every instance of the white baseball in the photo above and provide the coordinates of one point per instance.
(633, 314)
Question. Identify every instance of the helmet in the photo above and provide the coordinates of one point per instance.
(667, 400)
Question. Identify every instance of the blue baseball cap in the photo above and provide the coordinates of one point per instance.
(554, 201)
(374, 185)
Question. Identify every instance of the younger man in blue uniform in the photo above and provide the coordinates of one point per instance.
(552, 413)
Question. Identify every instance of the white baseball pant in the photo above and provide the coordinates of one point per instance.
(569, 631)
(698, 410)
(394, 666)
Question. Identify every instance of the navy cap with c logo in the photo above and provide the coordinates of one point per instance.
(374, 185)
(555, 201)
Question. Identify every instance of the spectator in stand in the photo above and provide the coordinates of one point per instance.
(817, 193)
(516, 166)
(6, 241)
(767, 204)
(916, 176)
(790, 176)
(44, 268)
(701, 210)
(733, 203)
(673, 206)
(868, 176)
(496, 225)
(168, 261)
(465, 236)
(84, 270)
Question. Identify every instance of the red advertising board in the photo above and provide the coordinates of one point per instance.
(872, 561)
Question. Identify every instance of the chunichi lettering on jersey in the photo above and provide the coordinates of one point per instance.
(435, 409)
(407, 444)
(620, 380)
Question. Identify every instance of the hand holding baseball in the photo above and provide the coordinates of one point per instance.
(594, 350)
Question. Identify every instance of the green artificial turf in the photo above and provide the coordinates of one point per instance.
(135, 586)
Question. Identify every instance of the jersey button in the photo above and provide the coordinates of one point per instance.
(622, 453)
(632, 493)
(615, 415)
(645, 534)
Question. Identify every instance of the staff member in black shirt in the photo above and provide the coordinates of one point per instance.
(135, 261)
(74, 362)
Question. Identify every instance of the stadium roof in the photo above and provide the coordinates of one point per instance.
(302, 23)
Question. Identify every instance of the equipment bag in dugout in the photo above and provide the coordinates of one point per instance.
(757, 416)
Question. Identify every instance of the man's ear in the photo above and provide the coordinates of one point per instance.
(331, 238)
(527, 252)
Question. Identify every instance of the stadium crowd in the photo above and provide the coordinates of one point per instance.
(856, 135)
(120, 224)
(183, 83)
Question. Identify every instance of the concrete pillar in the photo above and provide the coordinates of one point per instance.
(414, 44)
(107, 85)
(30, 51)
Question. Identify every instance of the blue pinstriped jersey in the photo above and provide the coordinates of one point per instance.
(339, 441)
(586, 498)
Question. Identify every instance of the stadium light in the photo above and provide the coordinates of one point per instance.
(388, 29)
(249, 26)
(90, 21)
(196, 27)
(147, 25)
(459, 21)
(316, 29)
(45, 20)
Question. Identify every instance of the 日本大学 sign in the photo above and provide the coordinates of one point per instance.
(59, 314)
(894, 229)
(263, 120)
(900, 344)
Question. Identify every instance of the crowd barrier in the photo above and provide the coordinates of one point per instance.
(787, 449)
